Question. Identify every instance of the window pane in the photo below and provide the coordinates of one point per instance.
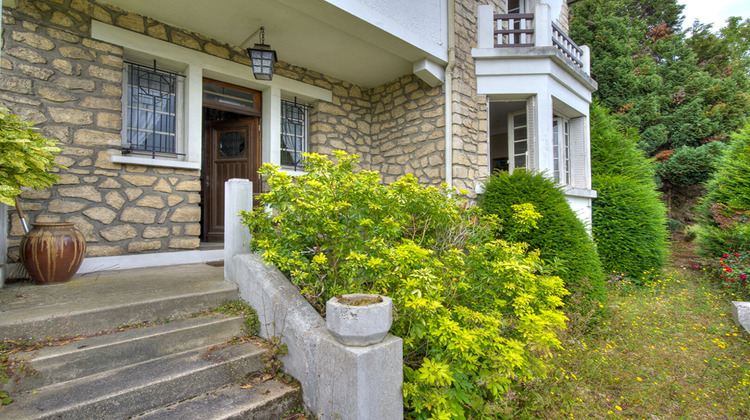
(293, 133)
(519, 161)
(151, 98)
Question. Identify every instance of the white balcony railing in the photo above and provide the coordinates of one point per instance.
(529, 30)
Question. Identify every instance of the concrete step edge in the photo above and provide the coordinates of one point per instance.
(137, 388)
(267, 400)
(112, 351)
(107, 318)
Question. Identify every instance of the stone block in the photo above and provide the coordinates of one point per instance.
(55, 94)
(100, 214)
(61, 19)
(188, 186)
(138, 215)
(133, 193)
(68, 179)
(76, 83)
(157, 31)
(187, 41)
(15, 84)
(184, 243)
(86, 137)
(173, 200)
(64, 206)
(192, 229)
(741, 314)
(26, 54)
(186, 214)
(63, 35)
(110, 183)
(141, 246)
(140, 180)
(105, 74)
(114, 199)
(71, 116)
(109, 120)
(35, 72)
(131, 21)
(102, 46)
(75, 53)
(34, 40)
(152, 232)
(118, 233)
(102, 103)
(163, 186)
(103, 250)
(153, 201)
(86, 192)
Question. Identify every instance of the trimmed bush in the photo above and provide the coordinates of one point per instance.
(477, 315)
(725, 227)
(629, 219)
(561, 236)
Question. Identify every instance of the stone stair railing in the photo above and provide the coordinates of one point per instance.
(338, 381)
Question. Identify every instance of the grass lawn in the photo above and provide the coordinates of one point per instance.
(668, 351)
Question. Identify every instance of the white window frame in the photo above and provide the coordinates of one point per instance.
(178, 129)
(561, 162)
(300, 146)
(512, 141)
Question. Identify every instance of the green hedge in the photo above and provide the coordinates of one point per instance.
(629, 219)
(561, 235)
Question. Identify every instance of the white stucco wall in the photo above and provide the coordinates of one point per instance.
(422, 23)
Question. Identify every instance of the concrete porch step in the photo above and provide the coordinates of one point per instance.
(269, 400)
(102, 301)
(99, 354)
(132, 390)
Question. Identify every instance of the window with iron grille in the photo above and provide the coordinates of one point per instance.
(293, 134)
(152, 107)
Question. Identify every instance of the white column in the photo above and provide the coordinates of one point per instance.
(238, 195)
(193, 112)
(271, 126)
(544, 116)
(542, 25)
(485, 27)
(586, 59)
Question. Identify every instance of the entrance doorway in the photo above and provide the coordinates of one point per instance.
(231, 148)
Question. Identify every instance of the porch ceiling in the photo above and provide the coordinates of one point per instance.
(309, 33)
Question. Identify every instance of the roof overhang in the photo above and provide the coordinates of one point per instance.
(357, 45)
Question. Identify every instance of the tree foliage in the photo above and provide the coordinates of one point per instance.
(679, 89)
(476, 314)
(25, 158)
(629, 222)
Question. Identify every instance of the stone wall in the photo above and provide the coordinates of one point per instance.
(70, 86)
(470, 142)
(55, 75)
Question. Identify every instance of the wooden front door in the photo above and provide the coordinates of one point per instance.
(232, 151)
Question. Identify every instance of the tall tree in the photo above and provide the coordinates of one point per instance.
(680, 89)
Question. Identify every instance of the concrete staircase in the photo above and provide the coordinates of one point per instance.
(186, 368)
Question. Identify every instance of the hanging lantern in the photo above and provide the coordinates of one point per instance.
(263, 58)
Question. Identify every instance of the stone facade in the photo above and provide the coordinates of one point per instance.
(70, 85)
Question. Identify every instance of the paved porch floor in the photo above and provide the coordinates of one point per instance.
(91, 293)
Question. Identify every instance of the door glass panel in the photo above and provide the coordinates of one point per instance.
(231, 144)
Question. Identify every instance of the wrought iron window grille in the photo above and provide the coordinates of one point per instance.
(152, 111)
(294, 133)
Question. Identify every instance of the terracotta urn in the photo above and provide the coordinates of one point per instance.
(359, 319)
(52, 252)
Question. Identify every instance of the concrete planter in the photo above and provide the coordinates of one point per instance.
(359, 319)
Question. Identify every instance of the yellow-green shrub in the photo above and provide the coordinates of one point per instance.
(476, 314)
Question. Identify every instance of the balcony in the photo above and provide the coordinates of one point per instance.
(530, 35)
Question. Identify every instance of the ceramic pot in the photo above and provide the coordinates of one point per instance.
(52, 252)
(359, 319)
